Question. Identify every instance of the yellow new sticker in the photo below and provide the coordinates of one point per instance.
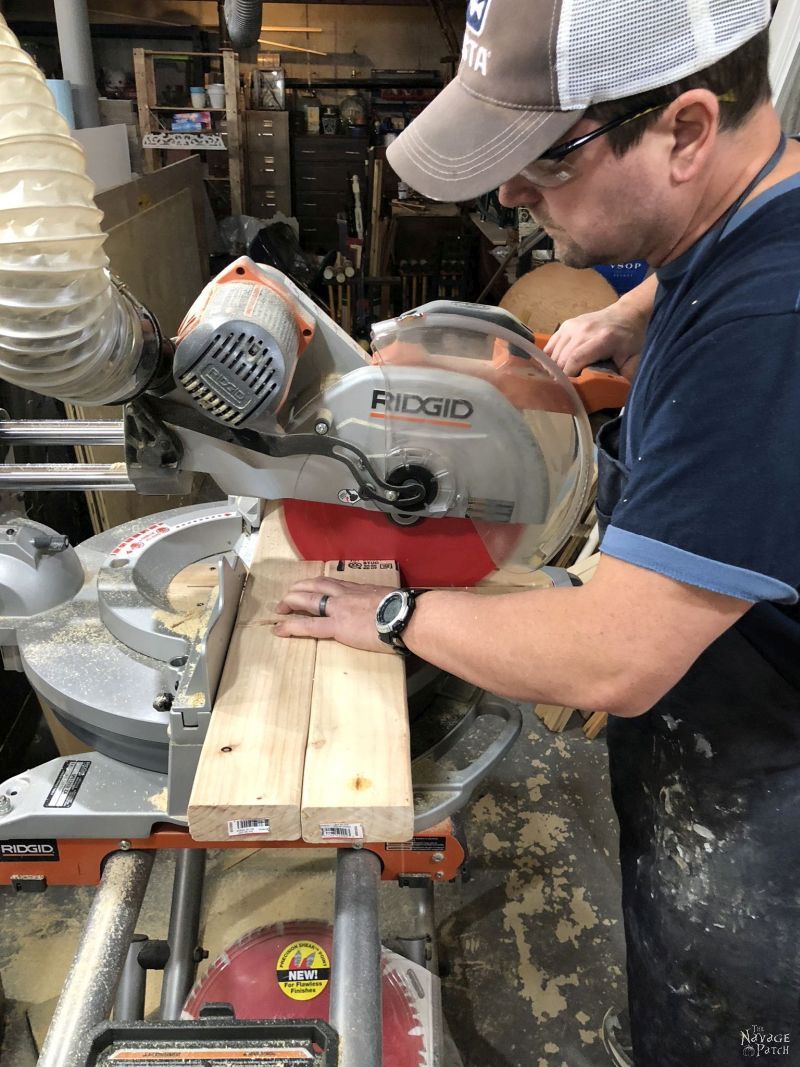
(303, 970)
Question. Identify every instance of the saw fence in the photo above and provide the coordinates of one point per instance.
(308, 739)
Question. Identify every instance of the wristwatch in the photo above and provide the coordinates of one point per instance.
(394, 614)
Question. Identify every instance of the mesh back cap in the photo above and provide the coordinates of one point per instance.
(530, 68)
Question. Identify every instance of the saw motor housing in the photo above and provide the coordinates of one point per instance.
(238, 348)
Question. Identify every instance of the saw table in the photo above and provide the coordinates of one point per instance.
(136, 679)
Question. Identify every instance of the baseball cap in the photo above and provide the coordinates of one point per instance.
(530, 68)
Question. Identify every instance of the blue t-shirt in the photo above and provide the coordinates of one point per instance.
(711, 433)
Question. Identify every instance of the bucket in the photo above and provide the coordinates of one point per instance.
(216, 94)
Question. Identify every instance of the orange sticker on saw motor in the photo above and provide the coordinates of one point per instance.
(304, 970)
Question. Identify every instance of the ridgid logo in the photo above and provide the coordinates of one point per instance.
(422, 408)
(758, 1042)
(28, 851)
(476, 15)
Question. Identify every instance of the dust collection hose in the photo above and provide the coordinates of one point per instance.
(66, 329)
(243, 19)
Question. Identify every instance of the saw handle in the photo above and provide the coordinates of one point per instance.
(600, 386)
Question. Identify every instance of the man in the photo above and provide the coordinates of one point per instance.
(666, 149)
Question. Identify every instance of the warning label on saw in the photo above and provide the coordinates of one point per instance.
(418, 844)
(69, 781)
(304, 970)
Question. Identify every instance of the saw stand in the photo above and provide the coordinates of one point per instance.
(110, 964)
(109, 956)
(97, 637)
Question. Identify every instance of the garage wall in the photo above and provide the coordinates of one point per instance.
(356, 36)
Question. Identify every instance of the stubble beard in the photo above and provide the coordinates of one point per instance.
(643, 232)
(568, 251)
(571, 254)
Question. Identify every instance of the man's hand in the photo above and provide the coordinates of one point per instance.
(349, 612)
(592, 338)
(615, 332)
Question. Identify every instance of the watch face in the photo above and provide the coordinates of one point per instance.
(391, 611)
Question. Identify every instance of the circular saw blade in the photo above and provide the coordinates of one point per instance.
(245, 977)
(435, 552)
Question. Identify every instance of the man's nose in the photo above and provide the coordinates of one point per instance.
(519, 192)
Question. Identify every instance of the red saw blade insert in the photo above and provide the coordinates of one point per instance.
(436, 552)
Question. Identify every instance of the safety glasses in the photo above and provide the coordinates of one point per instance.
(550, 170)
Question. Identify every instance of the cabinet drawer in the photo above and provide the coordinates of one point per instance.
(261, 200)
(347, 149)
(331, 178)
(310, 203)
(267, 123)
(316, 233)
(268, 170)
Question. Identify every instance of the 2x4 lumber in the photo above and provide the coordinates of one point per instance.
(249, 778)
(357, 781)
(595, 723)
(554, 716)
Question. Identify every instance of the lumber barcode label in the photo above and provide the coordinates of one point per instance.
(239, 827)
(351, 831)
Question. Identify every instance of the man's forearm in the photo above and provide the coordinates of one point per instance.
(540, 646)
(638, 302)
(616, 644)
(637, 307)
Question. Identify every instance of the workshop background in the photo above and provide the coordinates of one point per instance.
(200, 154)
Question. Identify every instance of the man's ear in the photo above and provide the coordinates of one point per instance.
(694, 125)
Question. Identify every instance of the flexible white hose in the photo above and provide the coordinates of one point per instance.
(65, 329)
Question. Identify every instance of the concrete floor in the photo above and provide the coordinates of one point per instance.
(532, 944)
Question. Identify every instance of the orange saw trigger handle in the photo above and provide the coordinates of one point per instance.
(599, 387)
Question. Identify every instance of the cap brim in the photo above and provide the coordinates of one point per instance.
(462, 146)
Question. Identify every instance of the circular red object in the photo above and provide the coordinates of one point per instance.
(436, 552)
(245, 976)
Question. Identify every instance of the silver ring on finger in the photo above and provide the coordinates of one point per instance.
(323, 605)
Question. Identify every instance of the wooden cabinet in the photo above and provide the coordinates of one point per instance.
(269, 186)
(322, 169)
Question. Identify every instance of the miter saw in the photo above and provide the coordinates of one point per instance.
(456, 448)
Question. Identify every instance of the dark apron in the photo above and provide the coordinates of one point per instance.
(706, 786)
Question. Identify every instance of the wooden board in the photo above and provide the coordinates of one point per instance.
(358, 763)
(585, 568)
(595, 723)
(555, 716)
(251, 765)
(157, 246)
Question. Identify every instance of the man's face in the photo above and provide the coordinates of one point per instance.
(614, 210)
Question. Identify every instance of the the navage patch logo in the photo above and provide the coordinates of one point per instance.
(413, 405)
(29, 851)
